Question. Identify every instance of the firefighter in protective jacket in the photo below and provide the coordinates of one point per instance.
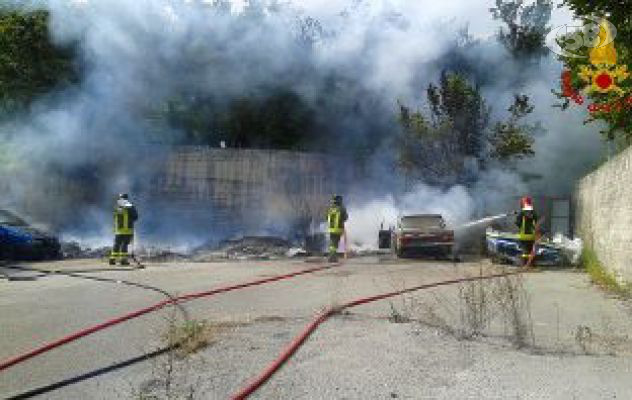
(125, 215)
(336, 218)
(526, 221)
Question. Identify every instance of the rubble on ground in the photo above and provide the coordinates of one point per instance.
(558, 251)
(245, 248)
(296, 252)
(74, 250)
(159, 254)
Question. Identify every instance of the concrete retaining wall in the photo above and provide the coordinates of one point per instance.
(241, 179)
(249, 189)
(604, 214)
(189, 187)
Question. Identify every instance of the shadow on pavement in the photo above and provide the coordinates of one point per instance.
(92, 374)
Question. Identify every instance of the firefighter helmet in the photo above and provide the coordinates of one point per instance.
(526, 204)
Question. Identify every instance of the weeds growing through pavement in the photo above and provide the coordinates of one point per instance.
(477, 306)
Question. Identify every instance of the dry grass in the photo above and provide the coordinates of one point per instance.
(398, 316)
(172, 376)
(602, 341)
(478, 307)
(512, 300)
(474, 311)
(192, 336)
(602, 277)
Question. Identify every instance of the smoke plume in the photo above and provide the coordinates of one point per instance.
(351, 68)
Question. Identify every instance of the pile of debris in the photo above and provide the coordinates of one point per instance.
(74, 250)
(246, 248)
(159, 254)
(559, 251)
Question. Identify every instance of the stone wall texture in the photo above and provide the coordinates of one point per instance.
(604, 214)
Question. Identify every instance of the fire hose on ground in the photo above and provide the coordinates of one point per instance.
(285, 355)
(298, 341)
(172, 301)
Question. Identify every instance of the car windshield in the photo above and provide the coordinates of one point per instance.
(7, 218)
(423, 222)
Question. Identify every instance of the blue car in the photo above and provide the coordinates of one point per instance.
(20, 241)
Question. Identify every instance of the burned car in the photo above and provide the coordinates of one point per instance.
(422, 234)
(21, 241)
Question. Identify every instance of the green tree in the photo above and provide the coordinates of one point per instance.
(442, 145)
(280, 120)
(456, 102)
(512, 139)
(438, 145)
(526, 27)
(30, 64)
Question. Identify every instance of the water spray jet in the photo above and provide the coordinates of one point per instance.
(486, 220)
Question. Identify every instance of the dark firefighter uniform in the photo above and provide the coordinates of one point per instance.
(125, 215)
(526, 221)
(336, 218)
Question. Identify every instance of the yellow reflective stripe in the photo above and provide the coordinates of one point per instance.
(333, 218)
(121, 222)
(523, 235)
(523, 231)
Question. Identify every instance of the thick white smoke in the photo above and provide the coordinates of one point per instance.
(455, 204)
(136, 55)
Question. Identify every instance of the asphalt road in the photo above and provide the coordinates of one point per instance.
(547, 335)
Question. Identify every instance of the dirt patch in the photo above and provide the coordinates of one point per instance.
(192, 336)
(270, 318)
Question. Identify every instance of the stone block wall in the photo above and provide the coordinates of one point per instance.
(604, 214)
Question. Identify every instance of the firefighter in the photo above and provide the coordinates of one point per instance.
(336, 218)
(125, 215)
(526, 221)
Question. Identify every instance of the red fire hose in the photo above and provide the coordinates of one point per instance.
(176, 300)
(273, 367)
